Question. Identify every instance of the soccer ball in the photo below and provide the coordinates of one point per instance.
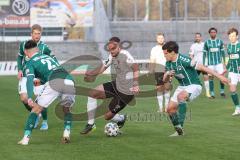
(111, 129)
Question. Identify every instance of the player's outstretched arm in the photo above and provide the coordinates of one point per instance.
(91, 75)
(222, 78)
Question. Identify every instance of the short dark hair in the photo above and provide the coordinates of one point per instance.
(212, 28)
(115, 39)
(232, 30)
(171, 46)
(30, 44)
(198, 34)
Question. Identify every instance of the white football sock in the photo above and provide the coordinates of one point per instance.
(206, 84)
(91, 109)
(160, 100)
(167, 97)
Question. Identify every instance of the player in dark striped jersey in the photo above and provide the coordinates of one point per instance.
(214, 58)
(21, 61)
(185, 71)
(233, 66)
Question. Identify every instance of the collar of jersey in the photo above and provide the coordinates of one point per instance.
(234, 43)
(35, 54)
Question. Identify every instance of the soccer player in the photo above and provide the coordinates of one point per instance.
(233, 66)
(214, 53)
(196, 54)
(122, 89)
(57, 83)
(21, 60)
(157, 66)
(183, 69)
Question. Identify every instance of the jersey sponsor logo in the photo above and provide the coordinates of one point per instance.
(214, 49)
(234, 56)
(179, 68)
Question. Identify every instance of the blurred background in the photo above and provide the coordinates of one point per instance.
(80, 27)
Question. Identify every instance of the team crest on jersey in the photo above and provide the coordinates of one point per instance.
(179, 68)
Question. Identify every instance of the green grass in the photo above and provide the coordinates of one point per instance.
(211, 132)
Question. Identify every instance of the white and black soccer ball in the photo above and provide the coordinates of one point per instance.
(111, 129)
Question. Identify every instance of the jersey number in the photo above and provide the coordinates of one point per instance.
(49, 64)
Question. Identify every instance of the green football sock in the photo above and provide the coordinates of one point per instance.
(44, 114)
(211, 87)
(68, 121)
(27, 107)
(221, 87)
(174, 119)
(235, 99)
(30, 123)
(182, 109)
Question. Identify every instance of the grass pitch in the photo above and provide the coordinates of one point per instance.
(211, 132)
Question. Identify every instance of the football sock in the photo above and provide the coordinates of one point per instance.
(27, 107)
(160, 100)
(91, 109)
(67, 121)
(211, 87)
(167, 98)
(235, 99)
(206, 84)
(30, 123)
(174, 119)
(221, 87)
(44, 114)
(182, 109)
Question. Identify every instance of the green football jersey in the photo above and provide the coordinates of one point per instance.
(185, 72)
(233, 51)
(213, 52)
(44, 68)
(21, 59)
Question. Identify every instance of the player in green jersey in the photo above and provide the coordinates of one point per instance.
(57, 83)
(21, 61)
(233, 66)
(214, 58)
(185, 71)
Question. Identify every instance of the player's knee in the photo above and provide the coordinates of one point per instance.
(232, 88)
(24, 98)
(160, 88)
(37, 109)
(183, 96)
(171, 110)
(168, 86)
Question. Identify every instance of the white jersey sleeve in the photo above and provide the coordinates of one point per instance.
(129, 58)
(191, 52)
(152, 55)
